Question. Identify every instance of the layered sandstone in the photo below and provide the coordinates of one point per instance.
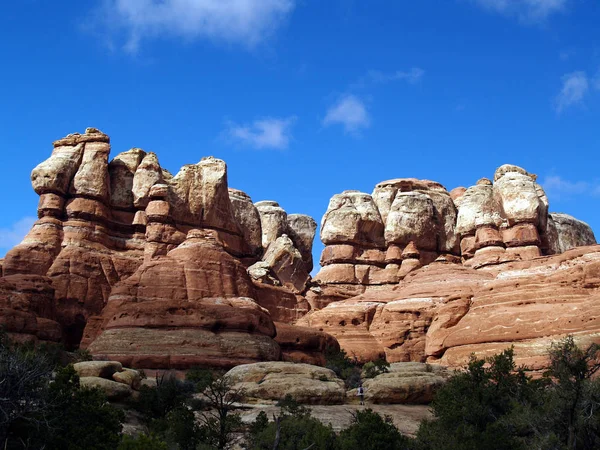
(412, 272)
(167, 271)
(154, 267)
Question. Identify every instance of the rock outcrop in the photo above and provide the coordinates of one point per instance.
(116, 382)
(166, 271)
(404, 270)
(274, 380)
(151, 269)
(406, 383)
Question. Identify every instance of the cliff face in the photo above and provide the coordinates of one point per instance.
(163, 271)
(415, 273)
(150, 268)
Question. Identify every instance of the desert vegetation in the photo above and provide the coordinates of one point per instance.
(492, 404)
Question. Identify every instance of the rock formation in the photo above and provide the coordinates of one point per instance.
(414, 273)
(165, 271)
(274, 380)
(151, 269)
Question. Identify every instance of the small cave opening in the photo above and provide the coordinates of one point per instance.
(73, 333)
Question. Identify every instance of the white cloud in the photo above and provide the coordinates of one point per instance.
(575, 87)
(526, 10)
(263, 133)
(557, 187)
(14, 234)
(412, 76)
(350, 112)
(246, 22)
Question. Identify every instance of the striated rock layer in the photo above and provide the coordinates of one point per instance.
(414, 273)
(150, 269)
(166, 271)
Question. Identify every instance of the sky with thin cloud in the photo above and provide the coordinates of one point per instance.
(305, 99)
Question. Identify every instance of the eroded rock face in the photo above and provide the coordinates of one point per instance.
(273, 381)
(489, 223)
(171, 251)
(566, 232)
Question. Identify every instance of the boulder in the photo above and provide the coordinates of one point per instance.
(101, 369)
(352, 217)
(274, 380)
(406, 383)
(114, 391)
(130, 377)
(286, 262)
(273, 221)
(567, 232)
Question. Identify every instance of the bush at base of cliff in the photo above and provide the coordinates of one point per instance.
(370, 431)
(293, 429)
(142, 442)
(496, 406)
(348, 369)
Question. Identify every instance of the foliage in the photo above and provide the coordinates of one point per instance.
(293, 429)
(142, 442)
(84, 420)
(494, 405)
(24, 405)
(170, 393)
(347, 369)
(377, 367)
(219, 421)
(370, 431)
(471, 409)
(81, 355)
(576, 395)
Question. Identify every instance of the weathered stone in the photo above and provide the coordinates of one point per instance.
(287, 264)
(55, 174)
(274, 380)
(273, 221)
(129, 377)
(568, 232)
(478, 208)
(91, 179)
(147, 175)
(248, 219)
(102, 369)
(352, 217)
(114, 391)
(302, 230)
(303, 344)
(413, 383)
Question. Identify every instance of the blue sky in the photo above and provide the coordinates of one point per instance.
(304, 98)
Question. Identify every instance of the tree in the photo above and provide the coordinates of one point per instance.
(370, 431)
(83, 418)
(293, 429)
(576, 396)
(142, 442)
(24, 379)
(473, 409)
(218, 420)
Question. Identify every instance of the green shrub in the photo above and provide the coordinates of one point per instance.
(296, 432)
(84, 420)
(142, 442)
(370, 431)
(170, 393)
(347, 369)
(377, 367)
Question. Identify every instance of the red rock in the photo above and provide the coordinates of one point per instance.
(304, 345)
